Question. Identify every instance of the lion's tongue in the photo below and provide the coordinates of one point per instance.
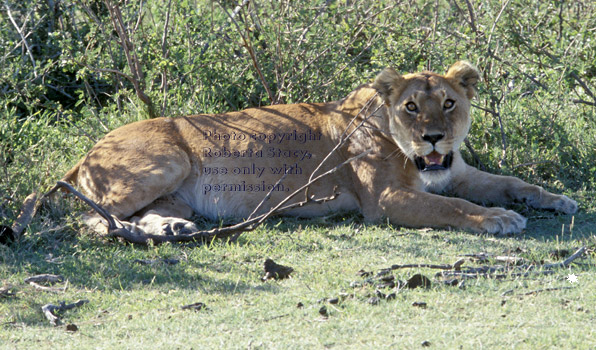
(434, 158)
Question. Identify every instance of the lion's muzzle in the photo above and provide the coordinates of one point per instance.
(434, 161)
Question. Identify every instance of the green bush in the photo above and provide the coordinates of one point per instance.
(65, 78)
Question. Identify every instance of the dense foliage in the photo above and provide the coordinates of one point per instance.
(72, 70)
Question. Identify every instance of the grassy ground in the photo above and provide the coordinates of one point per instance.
(534, 118)
(132, 305)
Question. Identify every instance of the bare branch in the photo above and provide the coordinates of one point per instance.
(492, 29)
(23, 38)
(131, 57)
(165, 53)
(472, 16)
(474, 154)
(531, 164)
(585, 102)
(45, 278)
(221, 29)
(89, 202)
(455, 266)
(249, 47)
(513, 271)
(343, 138)
(267, 196)
(583, 84)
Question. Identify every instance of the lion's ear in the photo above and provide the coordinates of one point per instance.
(466, 75)
(387, 83)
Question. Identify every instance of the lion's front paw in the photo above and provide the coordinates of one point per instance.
(502, 222)
(558, 202)
(564, 204)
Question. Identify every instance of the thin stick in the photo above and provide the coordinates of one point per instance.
(23, 38)
(45, 278)
(28, 210)
(455, 266)
(131, 57)
(534, 292)
(578, 253)
(464, 274)
(343, 138)
(165, 53)
(474, 154)
(472, 17)
(101, 211)
(48, 289)
(585, 102)
(50, 310)
(310, 182)
(267, 196)
(492, 29)
(251, 52)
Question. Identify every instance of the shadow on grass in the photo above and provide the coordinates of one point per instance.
(91, 262)
(547, 226)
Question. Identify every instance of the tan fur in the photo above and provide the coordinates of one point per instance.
(153, 173)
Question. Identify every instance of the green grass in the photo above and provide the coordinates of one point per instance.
(139, 306)
(534, 118)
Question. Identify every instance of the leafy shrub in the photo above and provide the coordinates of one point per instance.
(66, 79)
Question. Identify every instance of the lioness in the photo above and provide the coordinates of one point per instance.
(156, 173)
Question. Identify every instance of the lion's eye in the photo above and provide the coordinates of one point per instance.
(411, 106)
(448, 104)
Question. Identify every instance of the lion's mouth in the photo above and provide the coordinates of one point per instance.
(434, 161)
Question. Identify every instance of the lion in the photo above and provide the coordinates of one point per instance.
(153, 175)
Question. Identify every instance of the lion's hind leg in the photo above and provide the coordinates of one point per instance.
(165, 216)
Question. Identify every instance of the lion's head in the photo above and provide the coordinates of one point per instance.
(429, 114)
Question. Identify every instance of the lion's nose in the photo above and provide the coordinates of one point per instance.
(433, 138)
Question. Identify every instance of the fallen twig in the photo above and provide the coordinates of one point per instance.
(50, 310)
(101, 211)
(45, 278)
(533, 292)
(35, 281)
(490, 271)
(49, 289)
(455, 266)
(472, 275)
(6, 292)
(194, 306)
(578, 253)
(155, 261)
(28, 210)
